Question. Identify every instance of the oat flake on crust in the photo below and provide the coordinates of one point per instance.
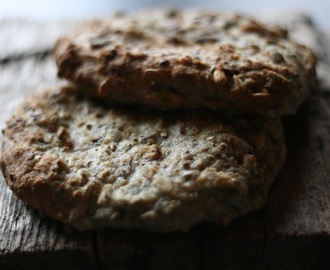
(94, 166)
(174, 59)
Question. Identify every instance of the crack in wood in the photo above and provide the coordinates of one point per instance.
(39, 54)
(95, 250)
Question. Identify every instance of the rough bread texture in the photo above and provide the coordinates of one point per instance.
(93, 166)
(174, 59)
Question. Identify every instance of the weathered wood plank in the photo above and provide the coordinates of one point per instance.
(240, 246)
(299, 202)
(134, 249)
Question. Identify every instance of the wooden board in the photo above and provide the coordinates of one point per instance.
(291, 232)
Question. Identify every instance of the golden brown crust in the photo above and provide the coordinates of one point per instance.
(93, 166)
(189, 59)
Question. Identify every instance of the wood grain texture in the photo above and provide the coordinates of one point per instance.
(291, 232)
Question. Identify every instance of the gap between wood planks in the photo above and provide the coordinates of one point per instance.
(23, 55)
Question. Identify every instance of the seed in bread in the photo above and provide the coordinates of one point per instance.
(91, 166)
(189, 59)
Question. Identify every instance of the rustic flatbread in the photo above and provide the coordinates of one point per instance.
(175, 59)
(94, 165)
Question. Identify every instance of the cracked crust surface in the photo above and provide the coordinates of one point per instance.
(92, 165)
(174, 59)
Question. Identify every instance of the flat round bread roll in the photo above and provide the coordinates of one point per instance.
(190, 59)
(91, 165)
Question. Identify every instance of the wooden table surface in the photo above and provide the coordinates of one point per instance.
(291, 232)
